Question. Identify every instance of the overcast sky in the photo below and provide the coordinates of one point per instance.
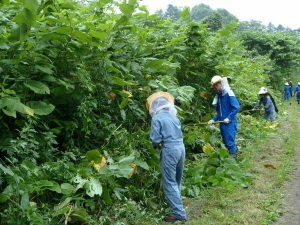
(284, 12)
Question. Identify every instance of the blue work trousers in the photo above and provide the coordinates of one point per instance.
(172, 158)
(286, 96)
(228, 132)
(270, 115)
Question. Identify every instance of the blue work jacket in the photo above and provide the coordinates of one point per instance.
(268, 104)
(165, 129)
(227, 106)
(297, 89)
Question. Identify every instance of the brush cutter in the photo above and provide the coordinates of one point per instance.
(252, 110)
(197, 124)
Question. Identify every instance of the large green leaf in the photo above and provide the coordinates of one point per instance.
(55, 187)
(124, 103)
(129, 159)
(10, 112)
(124, 170)
(119, 81)
(49, 78)
(20, 107)
(19, 33)
(224, 32)
(98, 34)
(141, 163)
(25, 201)
(3, 197)
(80, 214)
(4, 46)
(93, 188)
(45, 69)
(14, 105)
(53, 36)
(25, 16)
(37, 86)
(32, 5)
(82, 36)
(67, 189)
(67, 6)
(63, 30)
(41, 108)
(105, 196)
(66, 201)
(94, 155)
(153, 63)
(6, 170)
(66, 83)
(126, 9)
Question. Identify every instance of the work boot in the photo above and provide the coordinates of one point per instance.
(172, 219)
(233, 155)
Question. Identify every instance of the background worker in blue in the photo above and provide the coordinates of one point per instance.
(227, 107)
(287, 90)
(291, 90)
(269, 106)
(166, 130)
(297, 93)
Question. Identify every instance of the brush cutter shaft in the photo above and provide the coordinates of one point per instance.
(197, 124)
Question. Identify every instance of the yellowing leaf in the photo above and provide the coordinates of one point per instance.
(141, 89)
(270, 166)
(134, 169)
(99, 165)
(112, 95)
(274, 125)
(204, 94)
(147, 76)
(127, 92)
(29, 111)
(207, 148)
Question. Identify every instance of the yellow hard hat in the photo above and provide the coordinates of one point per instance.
(262, 91)
(154, 96)
(215, 80)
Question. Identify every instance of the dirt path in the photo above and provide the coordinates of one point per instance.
(292, 198)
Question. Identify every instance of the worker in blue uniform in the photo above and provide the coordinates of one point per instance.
(297, 93)
(291, 85)
(287, 90)
(269, 105)
(227, 107)
(166, 130)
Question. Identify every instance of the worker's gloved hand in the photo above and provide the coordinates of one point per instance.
(253, 109)
(210, 122)
(226, 120)
(158, 147)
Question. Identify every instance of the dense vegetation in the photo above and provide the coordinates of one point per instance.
(74, 129)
